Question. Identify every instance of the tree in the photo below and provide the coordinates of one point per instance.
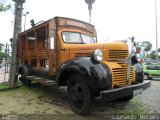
(2, 54)
(4, 8)
(152, 55)
(146, 44)
(1, 45)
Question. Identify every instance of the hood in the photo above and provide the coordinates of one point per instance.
(111, 50)
(103, 46)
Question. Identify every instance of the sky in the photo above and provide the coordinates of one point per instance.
(113, 19)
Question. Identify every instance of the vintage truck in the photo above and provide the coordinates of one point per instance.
(64, 52)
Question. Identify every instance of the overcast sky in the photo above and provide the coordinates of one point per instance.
(113, 19)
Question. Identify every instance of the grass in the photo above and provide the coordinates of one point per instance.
(4, 85)
(25, 89)
(32, 89)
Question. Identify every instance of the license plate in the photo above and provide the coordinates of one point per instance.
(137, 92)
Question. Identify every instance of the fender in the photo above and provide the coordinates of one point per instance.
(99, 76)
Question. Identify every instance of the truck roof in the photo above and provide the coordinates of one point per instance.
(62, 22)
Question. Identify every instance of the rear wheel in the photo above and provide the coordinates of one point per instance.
(25, 71)
(81, 98)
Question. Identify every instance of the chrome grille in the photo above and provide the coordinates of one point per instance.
(120, 75)
(117, 54)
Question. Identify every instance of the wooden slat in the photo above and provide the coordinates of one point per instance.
(42, 80)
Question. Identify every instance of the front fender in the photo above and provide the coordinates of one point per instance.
(99, 77)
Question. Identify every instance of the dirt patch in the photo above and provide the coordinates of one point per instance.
(34, 100)
(38, 102)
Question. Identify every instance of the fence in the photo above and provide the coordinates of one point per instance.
(4, 74)
(5, 66)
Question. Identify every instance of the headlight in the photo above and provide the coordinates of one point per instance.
(98, 55)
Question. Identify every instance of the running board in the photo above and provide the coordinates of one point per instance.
(42, 80)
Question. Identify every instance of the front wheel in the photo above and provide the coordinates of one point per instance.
(146, 77)
(81, 98)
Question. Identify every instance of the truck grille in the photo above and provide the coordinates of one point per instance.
(117, 54)
(119, 76)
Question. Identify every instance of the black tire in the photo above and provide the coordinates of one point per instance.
(25, 71)
(146, 77)
(81, 98)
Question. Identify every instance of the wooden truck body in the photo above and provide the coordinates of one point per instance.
(65, 52)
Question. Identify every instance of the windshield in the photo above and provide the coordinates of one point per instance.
(75, 37)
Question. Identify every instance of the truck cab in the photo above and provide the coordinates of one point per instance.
(64, 52)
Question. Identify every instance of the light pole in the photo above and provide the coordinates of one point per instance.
(90, 2)
(156, 29)
(25, 19)
(17, 29)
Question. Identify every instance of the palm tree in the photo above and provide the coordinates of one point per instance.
(4, 8)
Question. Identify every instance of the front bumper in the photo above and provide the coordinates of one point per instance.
(109, 95)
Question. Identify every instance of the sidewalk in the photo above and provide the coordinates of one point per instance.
(3, 77)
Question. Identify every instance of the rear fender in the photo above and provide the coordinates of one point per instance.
(27, 68)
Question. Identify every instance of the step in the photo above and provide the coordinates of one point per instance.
(42, 80)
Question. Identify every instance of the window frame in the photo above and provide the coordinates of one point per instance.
(94, 41)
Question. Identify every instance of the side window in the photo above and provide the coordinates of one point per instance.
(71, 37)
(51, 41)
(154, 68)
(157, 67)
(150, 67)
(87, 39)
